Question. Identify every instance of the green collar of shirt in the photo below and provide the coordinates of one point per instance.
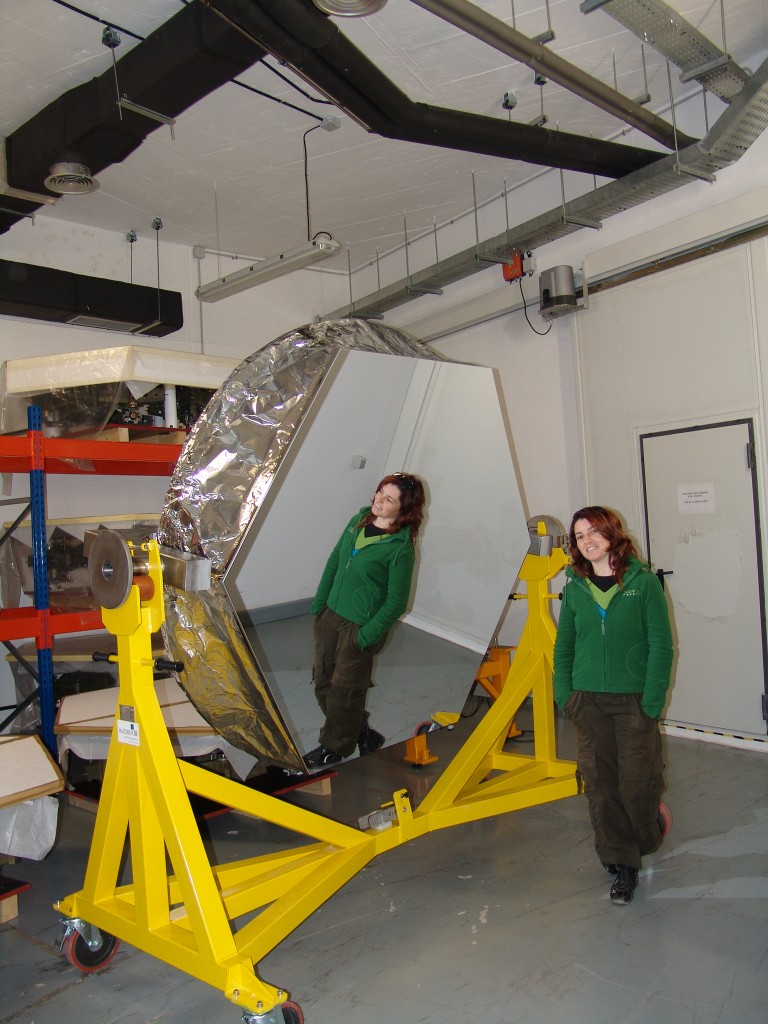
(602, 598)
(361, 541)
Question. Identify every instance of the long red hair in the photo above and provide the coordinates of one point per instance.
(620, 547)
(412, 499)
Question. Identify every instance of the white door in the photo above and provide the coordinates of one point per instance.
(702, 533)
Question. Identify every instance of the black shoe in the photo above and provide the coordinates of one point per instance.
(369, 740)
(322, 757)
(624, 885)
(612, 869)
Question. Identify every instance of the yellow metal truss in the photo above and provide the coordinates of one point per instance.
(187, 918)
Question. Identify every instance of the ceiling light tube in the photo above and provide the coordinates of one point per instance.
(296, 259)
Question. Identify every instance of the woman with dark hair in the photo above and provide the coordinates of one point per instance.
(612, 662)
(363, 591)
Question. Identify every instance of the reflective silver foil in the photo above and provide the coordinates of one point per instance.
(226, 468)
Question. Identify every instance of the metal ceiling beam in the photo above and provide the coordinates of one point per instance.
(307, 41)
(660, 26)
(735, 130)
(478, 23)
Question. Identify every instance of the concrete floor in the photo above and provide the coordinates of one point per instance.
(505, 920)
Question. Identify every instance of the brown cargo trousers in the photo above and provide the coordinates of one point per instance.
(341, 673)
(620, 760)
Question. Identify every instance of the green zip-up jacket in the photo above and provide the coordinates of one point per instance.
(627, 651)
(371, 586)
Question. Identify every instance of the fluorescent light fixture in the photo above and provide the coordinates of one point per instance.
(296, 259)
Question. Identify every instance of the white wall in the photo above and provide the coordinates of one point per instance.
(536, 372)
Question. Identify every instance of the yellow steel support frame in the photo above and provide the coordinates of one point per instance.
(187, 918)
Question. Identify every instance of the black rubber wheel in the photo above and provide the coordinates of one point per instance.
(85, 959)
(292, 1013)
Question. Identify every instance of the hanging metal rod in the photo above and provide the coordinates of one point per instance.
(476, 22)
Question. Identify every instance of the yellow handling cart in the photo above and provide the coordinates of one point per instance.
(187, 918)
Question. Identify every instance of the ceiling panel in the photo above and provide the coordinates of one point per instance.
(233, 178)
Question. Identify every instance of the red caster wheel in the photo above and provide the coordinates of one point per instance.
(292, 1013)
(85, 959)
(665, 819)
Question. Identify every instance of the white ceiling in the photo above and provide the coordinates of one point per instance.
(233, 178)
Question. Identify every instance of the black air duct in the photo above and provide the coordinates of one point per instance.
(58, 296)
(188, 57)
(300, 36)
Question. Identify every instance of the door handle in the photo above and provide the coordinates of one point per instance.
(661, 573)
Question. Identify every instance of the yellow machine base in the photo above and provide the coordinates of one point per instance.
(186, 918)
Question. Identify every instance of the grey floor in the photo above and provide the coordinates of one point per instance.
(505, 920)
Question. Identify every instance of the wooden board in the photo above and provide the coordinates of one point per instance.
(94, 712)
(27, 770)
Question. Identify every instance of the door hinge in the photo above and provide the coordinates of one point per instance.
(765, 707)
(750, 455)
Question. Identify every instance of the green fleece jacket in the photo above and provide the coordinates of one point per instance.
(627, 651)
(371, 586)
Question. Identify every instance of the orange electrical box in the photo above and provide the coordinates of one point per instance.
(514, 268)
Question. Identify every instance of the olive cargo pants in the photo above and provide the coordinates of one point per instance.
(620, 760)
(341, 674)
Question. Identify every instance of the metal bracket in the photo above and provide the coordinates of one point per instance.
(378, 820)
(694, 172)
(274, 1016)
(90, 933)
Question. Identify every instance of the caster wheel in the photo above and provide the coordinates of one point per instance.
(665, 819)
(81, 956)
(292, 1013)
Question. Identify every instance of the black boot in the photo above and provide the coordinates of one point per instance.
(322, 757)
(369, 740)
(623, 888)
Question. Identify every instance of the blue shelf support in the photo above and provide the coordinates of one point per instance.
(44, 639)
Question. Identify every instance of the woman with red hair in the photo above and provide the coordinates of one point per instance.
(612, 660)
(363, 591)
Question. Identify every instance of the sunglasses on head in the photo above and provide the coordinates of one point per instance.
(405, 480)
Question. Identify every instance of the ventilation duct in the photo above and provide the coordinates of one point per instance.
(58, 296)
(302, 38)
(205, 46)
(189, 56)
(71, 179)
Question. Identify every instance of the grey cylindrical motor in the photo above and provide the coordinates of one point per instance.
(557, 292)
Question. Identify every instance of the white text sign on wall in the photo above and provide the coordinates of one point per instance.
(695, 498)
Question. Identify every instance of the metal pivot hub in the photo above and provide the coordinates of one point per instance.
(111, 569)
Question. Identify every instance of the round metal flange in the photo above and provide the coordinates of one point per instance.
(110, 569)
(349, 8)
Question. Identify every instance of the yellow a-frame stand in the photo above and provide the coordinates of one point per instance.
(186, 918)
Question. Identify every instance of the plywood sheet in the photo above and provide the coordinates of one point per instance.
(94, 712)
(27, 770)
